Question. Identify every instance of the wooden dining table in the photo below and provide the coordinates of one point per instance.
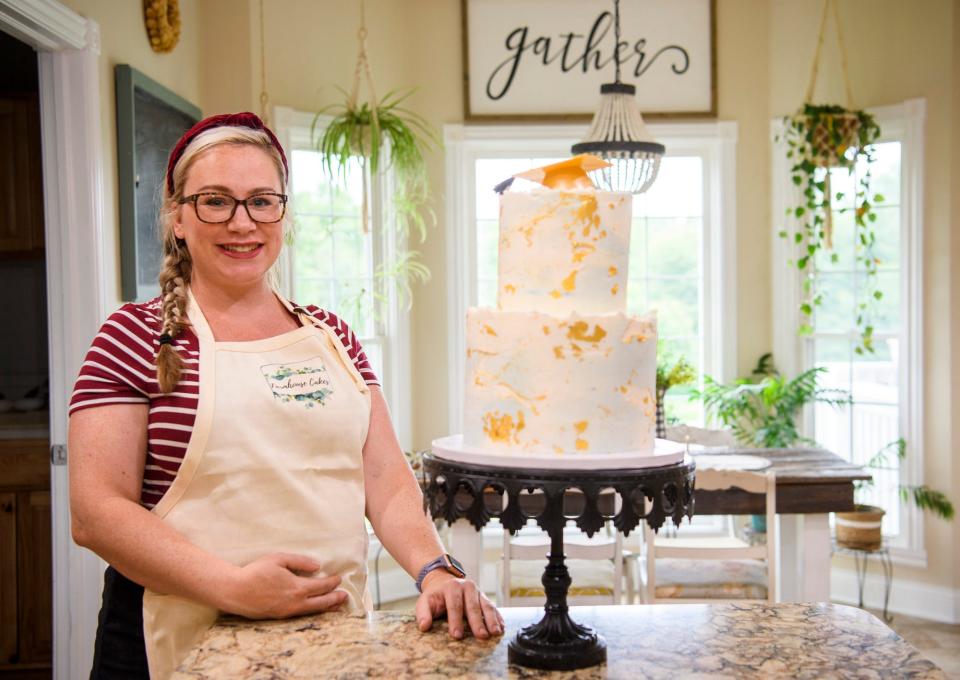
(811, 483)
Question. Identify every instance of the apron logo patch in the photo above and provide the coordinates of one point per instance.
(306, 382)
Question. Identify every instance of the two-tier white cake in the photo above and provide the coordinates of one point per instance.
(559, 367)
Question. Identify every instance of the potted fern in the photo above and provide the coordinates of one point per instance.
(762, 411)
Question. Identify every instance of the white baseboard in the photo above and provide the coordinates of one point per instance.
(912, 598)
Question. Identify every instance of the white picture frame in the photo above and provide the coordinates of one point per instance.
(546, 59)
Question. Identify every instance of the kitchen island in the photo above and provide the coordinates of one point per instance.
(795, 640)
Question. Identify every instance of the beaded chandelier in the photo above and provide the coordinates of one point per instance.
(619, 135)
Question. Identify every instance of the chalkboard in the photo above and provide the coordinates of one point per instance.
(150, 120)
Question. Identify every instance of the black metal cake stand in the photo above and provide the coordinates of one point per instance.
(457, 490)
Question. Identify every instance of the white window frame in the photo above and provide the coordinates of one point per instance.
(904, 123)
(714, 142)
(293, 130)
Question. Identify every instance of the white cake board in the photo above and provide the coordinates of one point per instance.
(664, 453)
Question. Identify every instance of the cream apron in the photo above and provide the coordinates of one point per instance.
(273, 464)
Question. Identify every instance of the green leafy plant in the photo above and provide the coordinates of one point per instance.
(764, 412)
(381, 137)
(672, 370)
(922, 495)
(818, 138)
(405, 270)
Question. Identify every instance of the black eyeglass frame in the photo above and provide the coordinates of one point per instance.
(193, 198)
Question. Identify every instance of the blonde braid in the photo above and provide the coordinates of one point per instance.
(174, 278)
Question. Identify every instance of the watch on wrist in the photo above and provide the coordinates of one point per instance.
(445, 562)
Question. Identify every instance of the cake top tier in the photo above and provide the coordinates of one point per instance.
(564, 250)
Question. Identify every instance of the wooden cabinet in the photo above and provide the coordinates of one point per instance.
(21, 177)
(26, 565)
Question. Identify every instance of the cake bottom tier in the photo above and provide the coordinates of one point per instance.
(578, 384)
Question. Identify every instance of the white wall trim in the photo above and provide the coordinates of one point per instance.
(911, 598)
(68, 60)
(44, 24)
(715, 141)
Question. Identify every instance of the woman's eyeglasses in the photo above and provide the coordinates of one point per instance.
(214, 208)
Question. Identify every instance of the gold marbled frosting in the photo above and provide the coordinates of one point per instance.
(559, 367)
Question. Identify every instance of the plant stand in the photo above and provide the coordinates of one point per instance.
(456, 490)
(860, 557)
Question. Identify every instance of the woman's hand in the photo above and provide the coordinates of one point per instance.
(277, 586)
(443, 592)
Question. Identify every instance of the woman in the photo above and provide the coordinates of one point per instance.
(227, 444)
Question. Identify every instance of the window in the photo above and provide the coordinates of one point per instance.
(884, 385)
(681, 238)
(334, 259)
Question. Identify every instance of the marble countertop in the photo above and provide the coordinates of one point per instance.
(792, 640)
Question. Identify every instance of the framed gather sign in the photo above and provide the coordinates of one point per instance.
(546, 59)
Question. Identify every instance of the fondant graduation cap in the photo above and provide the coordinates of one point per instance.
(568, 174)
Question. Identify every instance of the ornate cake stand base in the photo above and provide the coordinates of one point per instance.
(557, 642)
(457, 490)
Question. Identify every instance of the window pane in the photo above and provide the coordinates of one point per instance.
(332, 256)
(677, 305)
(841, 256)
(673, 246)
(678, 190)
(835, 314)
(885, 173)
(887, 229)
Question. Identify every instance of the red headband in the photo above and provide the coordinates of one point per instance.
(245, 119)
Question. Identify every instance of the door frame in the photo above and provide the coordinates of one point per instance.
(68, 52)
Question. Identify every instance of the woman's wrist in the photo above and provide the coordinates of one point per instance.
(437, 576)
(227, 590)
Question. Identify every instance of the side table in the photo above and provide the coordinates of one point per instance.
(860, 557)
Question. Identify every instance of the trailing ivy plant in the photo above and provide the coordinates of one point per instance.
(818, 138)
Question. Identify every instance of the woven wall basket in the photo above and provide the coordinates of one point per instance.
(860, 529)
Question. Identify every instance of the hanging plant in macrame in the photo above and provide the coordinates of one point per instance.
(382, 134)
(820, 138)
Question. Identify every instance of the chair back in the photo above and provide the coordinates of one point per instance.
(710, 479)
(595, 564)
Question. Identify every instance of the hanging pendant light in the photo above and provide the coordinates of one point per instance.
(618, 135)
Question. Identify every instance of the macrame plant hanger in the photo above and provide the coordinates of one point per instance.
(264, 97)
(827, 191)
(366, 162)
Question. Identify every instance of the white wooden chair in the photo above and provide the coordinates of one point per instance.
(711, 569)
(595, 564)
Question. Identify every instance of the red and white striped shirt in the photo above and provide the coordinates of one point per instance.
(121, 368)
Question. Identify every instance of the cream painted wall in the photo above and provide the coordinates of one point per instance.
(124, 40)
